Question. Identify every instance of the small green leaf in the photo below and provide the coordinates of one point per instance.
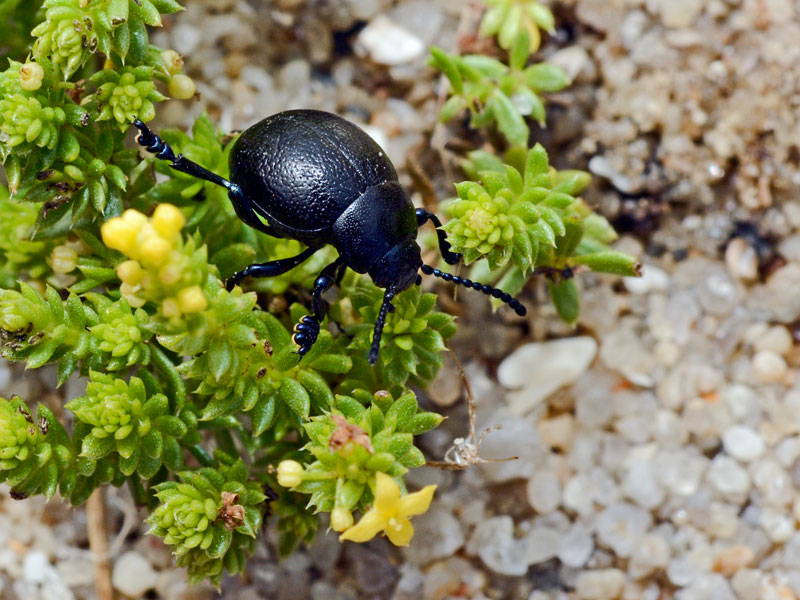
(96, 448)
(422, 422)
(170, 425)
(262, 414)
(442, 61)
(295, 397)
(565, 298)
(520, 51)
(617, 263)
(544, 77)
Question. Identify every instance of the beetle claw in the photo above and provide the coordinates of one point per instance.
(305, 334)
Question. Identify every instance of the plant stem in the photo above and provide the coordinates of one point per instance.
(98, 543)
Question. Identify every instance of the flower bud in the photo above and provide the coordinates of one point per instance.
(63, 259)
(290, 473)
(341, 519)
(182, 87)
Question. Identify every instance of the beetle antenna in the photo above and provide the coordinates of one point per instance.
(386, 308)
(481, 287)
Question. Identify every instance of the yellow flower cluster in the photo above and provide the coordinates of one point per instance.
(157, 269)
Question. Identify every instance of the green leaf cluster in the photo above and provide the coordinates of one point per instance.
(339, 475)
(413, 337)
(123, 419)
(508, 19)
(498, 93)
(521, 215)
(210, 518)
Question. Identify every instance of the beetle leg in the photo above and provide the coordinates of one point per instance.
(269, 269)
(307, 330)
(450, 257)
(162, 150)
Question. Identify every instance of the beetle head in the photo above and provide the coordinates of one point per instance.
(397, 269)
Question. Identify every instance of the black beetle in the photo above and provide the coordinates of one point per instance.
(318, 178)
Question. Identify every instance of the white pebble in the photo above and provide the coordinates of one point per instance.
(728, 477)
(769, 366)
(544, 491)
(776, 339)
(542, 544)
(741, 259)
(621, 527)
(387, 43)
(653, 279)
(743, 443)
(541, 368)
(133, 575)
(576, 547)
(601, 584)
(493, 541)
(652, 553)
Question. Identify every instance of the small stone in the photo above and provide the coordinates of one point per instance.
(601, 584)
(741, 259)
(621, 527)
(747, 583)
(133, 575)
(639, 483)
(653, 279)
(776, 339)
(652, 553)
(493, 541)
(728, 477)
(707, 587)
(34, 566)
(558, 432)
(778, 525)
(542, 544)
(544, 491)
(442, 534)
(743, 443)
(576, 547)
(541, 368)
(575, 61)
(769, 366)
(732, 559)
(387, 43)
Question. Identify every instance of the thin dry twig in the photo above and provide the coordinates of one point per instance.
(465, 452)
(98, 543)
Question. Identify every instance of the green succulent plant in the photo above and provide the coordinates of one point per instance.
(125, 421)
(499, 93)
(413, 337)
(210, 518)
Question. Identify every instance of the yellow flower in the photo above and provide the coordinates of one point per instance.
(390, 513)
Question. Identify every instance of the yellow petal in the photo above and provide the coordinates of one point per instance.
(367, 528)
(400, 531)
(416, 503)
(387, 493)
